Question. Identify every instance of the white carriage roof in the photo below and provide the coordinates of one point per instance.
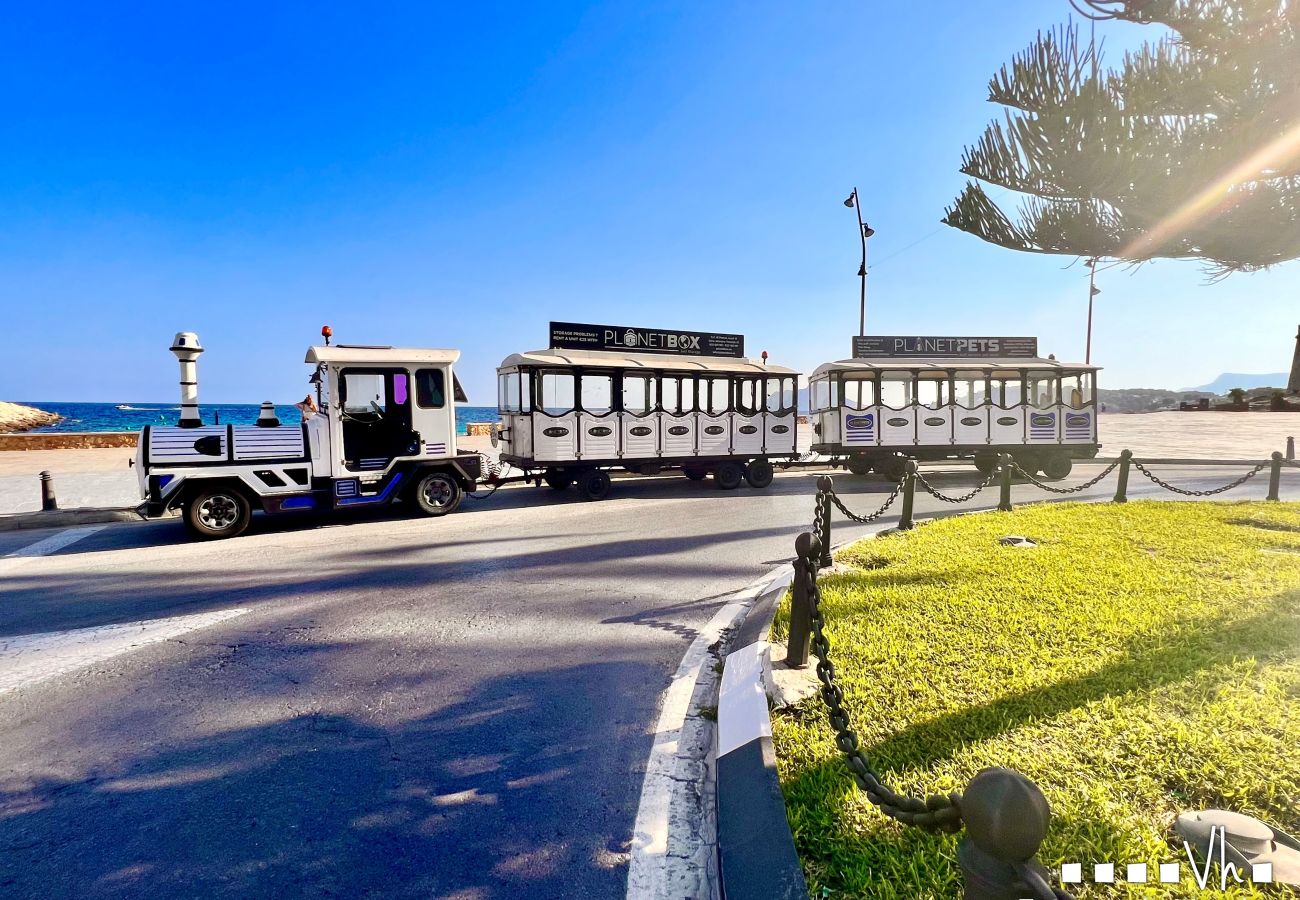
(663, 361)
(895, 364)
(345, 353)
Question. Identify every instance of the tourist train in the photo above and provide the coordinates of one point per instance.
(646, 401)
(953, 398)
(381, 428)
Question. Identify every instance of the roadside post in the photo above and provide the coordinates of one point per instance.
(1121, 489)
(799, 640)
(1275, 476)
(1290, 448)
(48, 502)
(905, 522)
(1004, 500)
(826, 487)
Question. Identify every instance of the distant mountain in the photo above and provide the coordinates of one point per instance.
(1229, 380)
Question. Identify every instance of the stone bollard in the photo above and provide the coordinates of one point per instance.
(1006, 818)
(48, 502)
(905, 520)
(827, 487)
(266, 417)
(800, 639)
(1004, 499)
(1121, 488)
(1275, 476)
(1290, 448)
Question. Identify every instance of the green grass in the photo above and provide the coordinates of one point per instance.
(1143, 660)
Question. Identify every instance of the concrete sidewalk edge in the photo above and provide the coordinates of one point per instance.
(63, 518)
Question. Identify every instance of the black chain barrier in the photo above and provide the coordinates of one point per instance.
(1208, 493)
(889, 501)
(1092, 482)
(933, 492)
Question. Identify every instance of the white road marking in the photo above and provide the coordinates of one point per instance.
(51, 544)
(670, 852)
(31, 658)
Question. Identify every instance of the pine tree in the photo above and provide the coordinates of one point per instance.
(1190, 149)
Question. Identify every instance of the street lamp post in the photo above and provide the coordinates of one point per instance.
(1093, 291)
(864, 231)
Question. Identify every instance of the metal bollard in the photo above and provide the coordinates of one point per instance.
(827, 487)
(48, 502)
(800, 639)
(1290, 448)
(1006, 818)
(1004, 501)
(905, 522)
(1275, 476)
(1121, 489)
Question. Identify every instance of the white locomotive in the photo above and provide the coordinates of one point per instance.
(647, 401)
(932, 398)
(384, 431)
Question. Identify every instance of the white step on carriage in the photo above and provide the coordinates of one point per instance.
(932, 398)
(646, 401)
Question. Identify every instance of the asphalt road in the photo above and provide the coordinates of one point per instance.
(407, 707)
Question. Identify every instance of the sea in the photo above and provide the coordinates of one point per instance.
(134, 416)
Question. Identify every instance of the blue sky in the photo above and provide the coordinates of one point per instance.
(437, 174)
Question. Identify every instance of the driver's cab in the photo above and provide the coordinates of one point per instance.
(380, 405)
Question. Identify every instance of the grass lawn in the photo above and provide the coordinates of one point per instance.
(1143, 660)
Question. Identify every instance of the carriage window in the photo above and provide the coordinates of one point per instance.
(968, 389)
(638, 394)
(717, 401)
(1041, 389)
(670, 392)
(1005, 389)
(747, 396)
(1076, 389)
(503, 392)
(896, 389)
(859, 392)
(821, 394)
(557, 392)
(932, 391)
(597, 393)
(780, 395)
(525, 390)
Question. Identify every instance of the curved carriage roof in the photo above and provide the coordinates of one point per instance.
(982, 364)
(350, 353)
(663, 361)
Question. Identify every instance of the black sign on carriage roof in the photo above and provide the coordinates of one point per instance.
(873, 346)
(576, 336)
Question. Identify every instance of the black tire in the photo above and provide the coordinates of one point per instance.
(594, 484)
(557, 480)
(695, 474)
(893, 468)
(986, 463)
(1057, 466)
(438, 493)
(218, 512)
(728, 475)
(859, 465)
(758, 473)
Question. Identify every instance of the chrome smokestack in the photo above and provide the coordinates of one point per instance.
(187, 348)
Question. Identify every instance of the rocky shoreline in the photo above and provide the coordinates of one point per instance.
(15, 417)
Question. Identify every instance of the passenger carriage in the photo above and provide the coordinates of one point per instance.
(954, 398)
(645, 401)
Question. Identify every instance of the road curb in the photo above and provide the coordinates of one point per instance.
(63, 518)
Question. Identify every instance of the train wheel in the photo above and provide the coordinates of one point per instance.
(893, 468)
(695, 474)
(218, 513)
(728, 476)
(557, 480)
(594, 484)
(1057, 466)
(758, 473)
(438, 493)
(1030, 462)
(986, 462)
(859, 465)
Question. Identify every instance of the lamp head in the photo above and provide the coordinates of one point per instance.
(1095, 290)
(851, 199)
(867, 230)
